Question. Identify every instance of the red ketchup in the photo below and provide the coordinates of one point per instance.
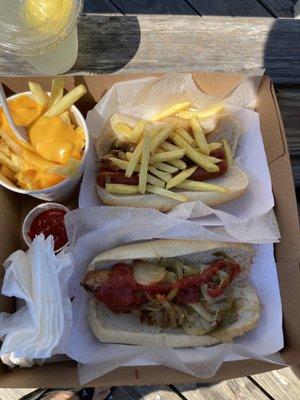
(50, 222)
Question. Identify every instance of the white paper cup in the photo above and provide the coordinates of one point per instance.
(33, 214)
(64, 189)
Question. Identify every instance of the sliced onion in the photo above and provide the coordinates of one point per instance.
(202, 311)
(146, 273)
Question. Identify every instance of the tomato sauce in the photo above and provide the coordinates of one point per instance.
(121, 293)
(50, 222)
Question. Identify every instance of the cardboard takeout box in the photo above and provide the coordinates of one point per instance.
(14, 207)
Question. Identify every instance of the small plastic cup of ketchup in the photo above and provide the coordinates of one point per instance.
(47, 218)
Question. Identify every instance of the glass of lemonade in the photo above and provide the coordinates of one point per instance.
(42, 32)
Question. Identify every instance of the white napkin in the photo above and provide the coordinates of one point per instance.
(42, 326)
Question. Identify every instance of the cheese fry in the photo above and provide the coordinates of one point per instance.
(186, 136)
(119, 188)
(134, 159)
(160, 137)
(182, 176)
(8, 173)
(155, 181)
(199, 136)
(39, 96)
(214, 146)
(171, 110)
(144, 163)
(166, 193)
(7, 162)
(205, 113)
(195, 156)
(166, 156)
(66, 102)
(57, 91)
(4, 148)
(65, 118)
(166, 168)
(228, 154)
(165, 176)
(201, 186)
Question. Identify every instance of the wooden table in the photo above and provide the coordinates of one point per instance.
(193, 35)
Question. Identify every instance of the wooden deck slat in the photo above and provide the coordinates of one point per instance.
(100, 7)
(134, 7)
(280, 8)
(281, 385)
(169, 43)
(250, 8)
(145, 393)
(238, 389)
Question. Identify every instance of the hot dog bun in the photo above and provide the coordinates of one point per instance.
(126, 328)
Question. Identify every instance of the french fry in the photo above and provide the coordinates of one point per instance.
(205, 113)
(7, 162)
(201, 186)
(137, 131)
(4, 148)
(123, 129)
(134, 159)
(65, 118)
(66, 102)
(166, 193)
(119, 188)
(57, 91)
(215, 146)
(195, 156)
(171, 110)
(144, 163)
(122, 164)
(228, 154)
(165, 176)
(39, 96)
(160, 137)
(155, 181)
(166, 168)
(9, 173)
(182, 176)
(186, 136)
(180, 164)
(166, 156)
(166, 146)
(199, 136)
(68, 171)
(4, 179)
(214, 160)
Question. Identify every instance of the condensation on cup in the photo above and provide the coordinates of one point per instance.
(42, 32)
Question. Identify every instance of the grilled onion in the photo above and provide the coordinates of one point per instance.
(146, 273)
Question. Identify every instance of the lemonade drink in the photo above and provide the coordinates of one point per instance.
(43, 32)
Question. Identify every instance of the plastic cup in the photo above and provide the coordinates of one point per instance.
(48, 41)
(67, 187)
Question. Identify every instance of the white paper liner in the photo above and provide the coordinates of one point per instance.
(143, 97)
(91, 231)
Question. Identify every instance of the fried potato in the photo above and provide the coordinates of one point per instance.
(182, 176)
(194, 155)
(39, 96)
(160, 137)
(137, 131)
(9, 173)
(228, 153)
(166, 168)
(166, 146)
(186, 136)
(66, 102)
(165, 176)
(4, 148)
(215, 146)
(166, 156)
(57, 91)
(199, 136)
(201, 186)
(206, 112)
(180, 164)
(122, 164)
(8, 162)
(65, 118)
(166, 193)
(171, 110)
(155, 181)
(119, 188)
(144, 162)
(134, 159)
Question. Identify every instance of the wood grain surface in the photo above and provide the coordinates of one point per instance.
(168, 7)
(169, 43)
(279, 8)
(250, 8)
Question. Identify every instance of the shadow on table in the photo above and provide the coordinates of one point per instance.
(109, 47)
